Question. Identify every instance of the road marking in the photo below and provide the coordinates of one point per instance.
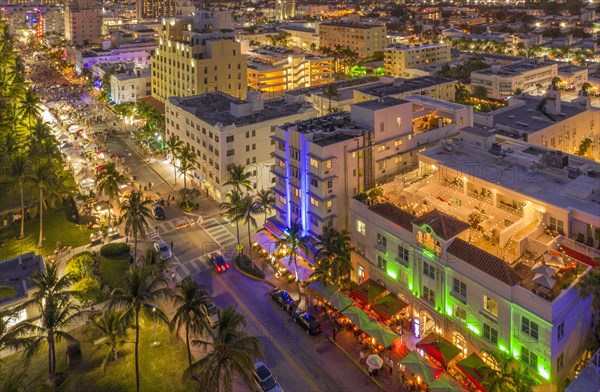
(266, 333)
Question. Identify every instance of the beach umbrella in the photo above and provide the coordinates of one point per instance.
(374, 361)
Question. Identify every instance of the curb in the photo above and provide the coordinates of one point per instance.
(355, 362)
(251, 276)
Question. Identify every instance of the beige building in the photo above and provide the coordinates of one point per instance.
(83, 21)
(223, 130)
(361, 38)
(273, 70)
(528, 76)
(285, 9)
(461, 247)
(195, 57)
(303, 36)
(398, 59)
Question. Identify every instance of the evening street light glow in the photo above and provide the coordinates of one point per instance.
(543, 372)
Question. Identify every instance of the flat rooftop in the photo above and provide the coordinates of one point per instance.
(298, 28)
(415, 46)
(399, 86)
(382, 103)
(339, 84)
(215, 108)
(331, 128)
(357, 25)
(515, 68)
(17, 273)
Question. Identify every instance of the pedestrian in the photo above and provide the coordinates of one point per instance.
(171, 246)
(362, 357)
(173, 276)
(390, 365)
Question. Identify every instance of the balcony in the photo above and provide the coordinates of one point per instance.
(380, 247)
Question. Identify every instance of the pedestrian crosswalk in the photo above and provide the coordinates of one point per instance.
(219, 233)
(192, 267)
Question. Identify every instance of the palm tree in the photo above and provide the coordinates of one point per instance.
(238, 177)
(293, 239)
(188, 301)
(107, 183)
(43, 178)
(136, 212)
(480, 92)
(11, 335)
(232, 354)
(174, 148)
(141, 289)
(30, 107)
(110, 331)
(507, 375)
(57, 311)
(19, 172)
(331, 91)
(232, 208)
(249, 207)
(187, 162)
(333, 257)
(265, 198)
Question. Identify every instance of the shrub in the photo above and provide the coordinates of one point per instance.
(87, 289)
(115, 250)
(244, 263)
(81, 265)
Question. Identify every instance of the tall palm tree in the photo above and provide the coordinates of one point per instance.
(174, 148)
(330, 92)
(19, 172)
(187, 162)
(232, 207)
(293, 239)
(238, 177)
(333, 257)
(135, 211)
(265, 198)
(232, 354)
(110, 330)
(44, 179)
(249, 207)
(30, 108)
(107, 183)
(188, 301)
(58, 313)
(11, 335)
(141, 289)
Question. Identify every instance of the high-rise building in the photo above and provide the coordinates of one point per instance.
(195, 57)
(156, 9)
(364, 39)
(83, 21)
(285, 9)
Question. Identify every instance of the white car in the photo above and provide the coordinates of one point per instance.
(267, 381)
(163, 250)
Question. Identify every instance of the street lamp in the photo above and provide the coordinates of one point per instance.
(155, 342)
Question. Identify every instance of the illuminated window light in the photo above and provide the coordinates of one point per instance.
(543, 372)
(474, 329)
(392, 274)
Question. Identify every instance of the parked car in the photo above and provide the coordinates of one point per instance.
(265, 378)
(159, 212)
(211, 313)
(218, 261)
(308, 323)
(282, 297)
(163, 250)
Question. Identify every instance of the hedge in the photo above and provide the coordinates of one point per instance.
(244, 263)
(87, 289)
(81, 265)
(115, 250)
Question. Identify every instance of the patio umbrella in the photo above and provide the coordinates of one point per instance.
(439, 348)
(340, 301)
(380, 333)
(445, 383)
(374, 361)
(417, 365)
(386, 307)
(474, 368)
(543, 280)
(357, 316)
(318, 287)
(541, 268)
(554, 259)
(368, 291)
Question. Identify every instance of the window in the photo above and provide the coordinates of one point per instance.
(329, 203)
(361, 227)
(282, 200)
(490, 333)
(490, 305)
(328, 164)
(428, 270)
(556, 225)
(560, 362)
(230, 153)
(560, 331)
(398, 143)
(381, 262)
(459, 288)
(229, 139)
(403, 253)
(314, 202)
(360, 248)
(314, 182)
(528, 357)
(296, 192)
(398, 122)
(381, 241)
(529, 327)
(314, 163)
(460, 313)
(428, 295)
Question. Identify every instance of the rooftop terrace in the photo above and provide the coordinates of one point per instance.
(17, 272)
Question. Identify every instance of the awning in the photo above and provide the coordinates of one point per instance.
(417, 366)
(439, 348)
(358, 316)
(323, 290)
(445, 383)
(368, 291)
(386, 307)
(331, 294)
(380, 333)
(475, 369)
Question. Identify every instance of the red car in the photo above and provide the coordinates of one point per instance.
(219, 262)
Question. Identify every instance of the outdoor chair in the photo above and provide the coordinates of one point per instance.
(580, 238)
(589, 242)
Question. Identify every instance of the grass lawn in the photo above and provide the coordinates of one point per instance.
(161, 367)
(56, 228)
(113, 269)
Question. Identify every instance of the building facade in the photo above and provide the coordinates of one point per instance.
(195, 57)
(224, 130)
(361, 38)
(285, 9)
(83, 21)
(399, 58)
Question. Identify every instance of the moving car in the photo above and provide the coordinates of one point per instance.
(282, 297)
(308, 323)
(159, 212)
(267, 381)
(211, 313)
(163, 250)
(218, 261)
